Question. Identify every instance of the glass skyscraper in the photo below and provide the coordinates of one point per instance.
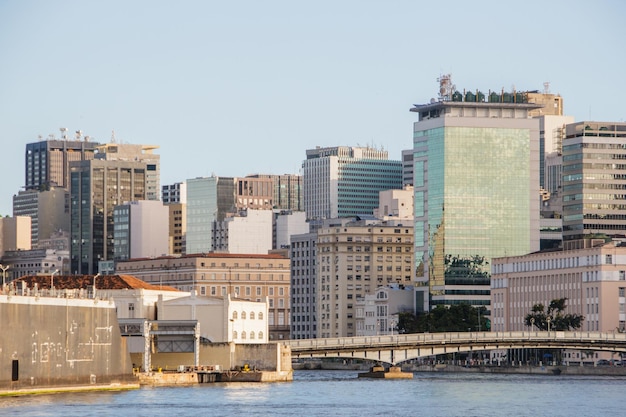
(476, 184)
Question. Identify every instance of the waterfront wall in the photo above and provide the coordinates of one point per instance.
(263, 357)
(53, 342)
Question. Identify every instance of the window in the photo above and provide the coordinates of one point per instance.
(260, 317)
(609, 259)
(234, 315)
(252, 315)
(622, 291)
(243, 316)
(234, 334)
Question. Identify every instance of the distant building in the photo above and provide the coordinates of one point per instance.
(250, 232)
(177, 228)
(15, 234)
(407, 167)
(344, 181)
(49, 211)
(353, 260)
(140, 230)
(377, 314)
(476, 186)
(592, 278)
(255, 193)
(47, 162)
(97, 186)
(286, 224)
(395, 204)
(303, 254)
(221, 319)
(287, 191)
(593, 186)
(174, 193)
(35, 262)
(243, 276)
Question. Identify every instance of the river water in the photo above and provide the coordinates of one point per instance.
(341, 393)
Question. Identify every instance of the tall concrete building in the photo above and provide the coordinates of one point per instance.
(344, 181)
(303, 255)
(174, 193)
(476, 192)
(97, 186)
(594, 180)
(14, 233)
(140, 230)
(249, 232)
(49, 211)
(353, 260)
(174, 196)
(47, 162)
(140, 153)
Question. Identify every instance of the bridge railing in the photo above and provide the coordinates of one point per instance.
(451, 337)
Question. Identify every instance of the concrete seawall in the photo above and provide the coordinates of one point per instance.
(48, 344)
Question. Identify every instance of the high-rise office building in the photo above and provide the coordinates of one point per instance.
(141, 230)
(48, 210)
(476, 188)
(47, 162)
(594, 181)
(344, 181)
(97, 186)
(303, 255)
(174, 193)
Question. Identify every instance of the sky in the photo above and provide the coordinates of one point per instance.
(239, 87)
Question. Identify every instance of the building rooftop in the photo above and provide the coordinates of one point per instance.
(103, 282)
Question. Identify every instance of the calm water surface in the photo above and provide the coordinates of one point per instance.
(341, 393)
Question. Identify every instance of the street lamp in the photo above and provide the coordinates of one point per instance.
(56, 271)
(94, 284)
(532, 323)
(549, 319)
(4, 273)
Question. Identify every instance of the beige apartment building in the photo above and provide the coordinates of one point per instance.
(243, 276)
(353, 260)
(592, 278)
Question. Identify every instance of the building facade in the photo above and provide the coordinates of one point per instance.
(303, 255)
(592, 278)
(47, 162)
(249, 232)
(353, 260)
(97, 186)
(344, 181)
(594, 180)
(15, 234)
(49, 211)
(377, 314)
(140, 230)
(246, 277)
(287, 191)
(476, 194)
(174, 193)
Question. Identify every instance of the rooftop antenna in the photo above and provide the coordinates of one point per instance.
(79, 133)
(113, 140)
(546, 87)
(446, 88)
(63, 133)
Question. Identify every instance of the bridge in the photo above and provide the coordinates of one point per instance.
(394, 349)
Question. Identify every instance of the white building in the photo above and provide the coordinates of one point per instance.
(249, 233)
(289, 223)
(377, 314)
(395, 204)
(221, 319)
(141, 229)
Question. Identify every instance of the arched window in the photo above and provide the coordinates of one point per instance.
(252, 315)
(243, 315)
(234, 314)
(261, 315)
(251, 335)
(243, 335)
(234, 334)
(260, 335)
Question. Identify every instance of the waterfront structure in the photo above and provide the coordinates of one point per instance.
(97, 186)
(591, 277)
(140, 230)
(47, 162)
(35, 262)
(221, 319)
(593, 195)
(287, 191)
(49, 211)
(286, 224)
(243, 276)
(303, 257)
(353, 260)
(476, 192)
(377, 314)
(344, 181)
(248, 232)
(114, 151)
(15, 233)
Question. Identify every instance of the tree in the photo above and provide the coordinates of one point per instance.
(554, 317)
(456, 318)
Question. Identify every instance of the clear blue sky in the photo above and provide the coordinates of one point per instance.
(241, 87)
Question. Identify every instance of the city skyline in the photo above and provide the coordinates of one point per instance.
(238, 89)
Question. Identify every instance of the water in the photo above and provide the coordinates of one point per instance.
(341, 393)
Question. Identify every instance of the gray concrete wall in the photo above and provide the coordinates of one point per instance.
(51, 342)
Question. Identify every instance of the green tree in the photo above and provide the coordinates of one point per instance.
(554, 317)
(456, 318)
